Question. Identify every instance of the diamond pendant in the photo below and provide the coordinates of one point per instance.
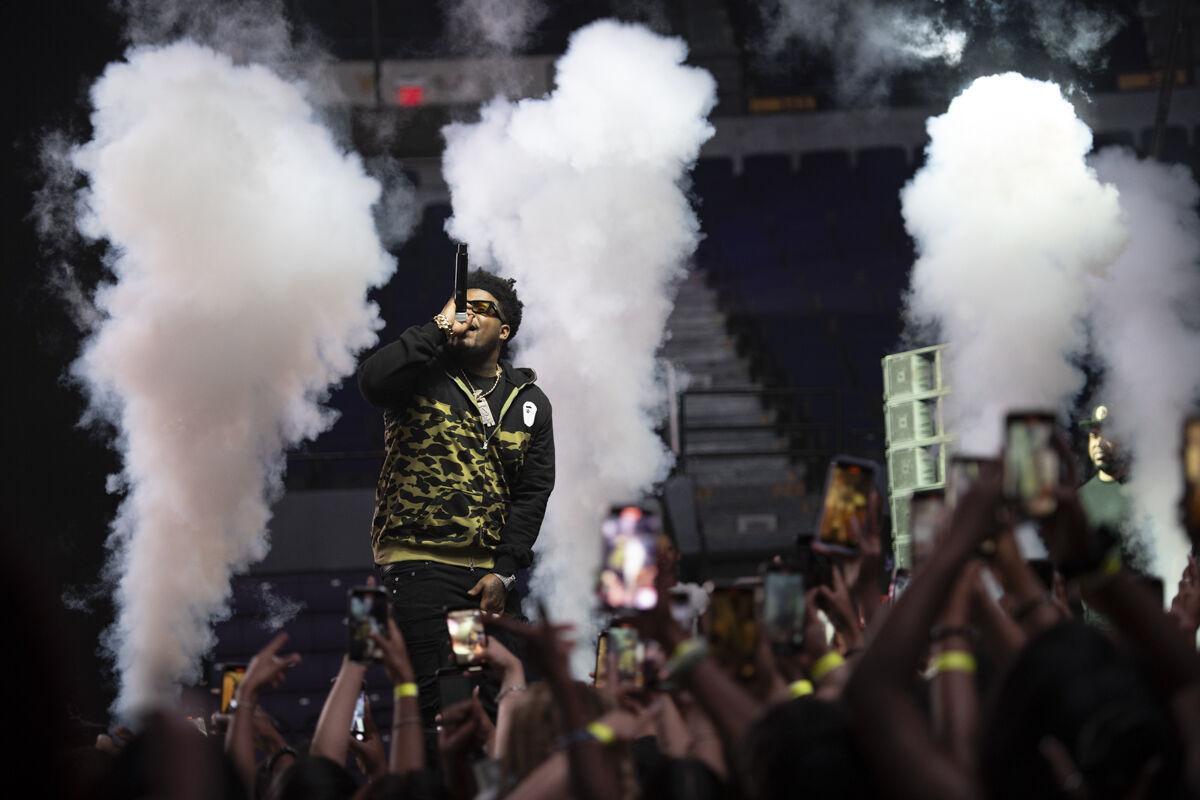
(485, 412)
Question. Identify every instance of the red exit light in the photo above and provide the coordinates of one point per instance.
(410, 95)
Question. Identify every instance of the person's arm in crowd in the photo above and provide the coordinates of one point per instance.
(731, 708)
(999, 631)
(839, 606)
(1185, 606)
(1031, 604)
(953, 695)
(893, 731)
(267, 668)
(512, 689)
(551, 779)
(705, 743)
(464, 730)
(332, 737)
(1120, 597)
(593, 772)
(387, 377)
(868, 561)
(408, 741)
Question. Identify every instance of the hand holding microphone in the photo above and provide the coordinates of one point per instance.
(457, 329)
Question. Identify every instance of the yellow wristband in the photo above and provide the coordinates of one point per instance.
(800, 688)
(601, 733)
(404, 690)
(827, 664)
(953, 661)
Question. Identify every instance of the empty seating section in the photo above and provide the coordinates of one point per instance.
(316, 629)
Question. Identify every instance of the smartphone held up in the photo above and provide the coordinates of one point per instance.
(1033, 467)
(468, 639)
(844, 509)
(628, 579)
(368, 614)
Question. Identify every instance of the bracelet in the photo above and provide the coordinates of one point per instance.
(442, 323)
(939, 632)
(687, 655)
(953, 661)
(827, 664)
(278, 754)
(1026, 609)
(406, 689)
(516, 687)
(800, 688)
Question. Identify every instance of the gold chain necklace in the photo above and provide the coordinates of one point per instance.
(485, 411)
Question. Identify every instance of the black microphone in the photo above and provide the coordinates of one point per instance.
(460, 283)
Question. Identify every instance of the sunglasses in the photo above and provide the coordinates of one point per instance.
(485, 308)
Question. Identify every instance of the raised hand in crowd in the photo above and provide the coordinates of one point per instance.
(369, 754)
(465, 733)
(267, 669)
(512, 689)
(1185, 606)
(408, 744)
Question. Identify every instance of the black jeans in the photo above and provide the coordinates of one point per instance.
(419, 593)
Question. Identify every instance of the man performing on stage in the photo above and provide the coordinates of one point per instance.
(467, 470)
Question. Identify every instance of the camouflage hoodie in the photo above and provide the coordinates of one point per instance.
(452, 489)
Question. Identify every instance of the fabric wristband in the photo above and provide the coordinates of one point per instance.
(953, 661)
(596, 731)
(601, 732)
(800, 688)
(404, 690)
(687, 655)
(827, 664)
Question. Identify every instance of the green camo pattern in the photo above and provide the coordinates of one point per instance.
(439, 485)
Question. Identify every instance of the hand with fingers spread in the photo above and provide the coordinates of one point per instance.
(547, 643)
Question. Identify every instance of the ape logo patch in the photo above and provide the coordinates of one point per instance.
(530, 412)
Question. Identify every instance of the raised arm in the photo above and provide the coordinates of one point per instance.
(387, 377)
(267, 668)
(894, 733)
(332, 738)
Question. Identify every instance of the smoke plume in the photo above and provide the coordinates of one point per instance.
(241, 249)
(492, 26)
(1146, 329)
(579, 197)
(868, 40)
(1008, 220)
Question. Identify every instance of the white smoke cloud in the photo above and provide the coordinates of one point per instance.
(1009, 221)
(578, 196)
(493, 26)
(277, 609)
(869, 40)
(1146, 328)
(241, 246)
(1071, 32)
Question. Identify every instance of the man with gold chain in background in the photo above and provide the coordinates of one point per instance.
(468, 467)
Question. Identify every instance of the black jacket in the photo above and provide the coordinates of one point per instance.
(452, 489)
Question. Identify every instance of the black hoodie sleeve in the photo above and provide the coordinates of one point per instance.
(388, 377)
(527, 499)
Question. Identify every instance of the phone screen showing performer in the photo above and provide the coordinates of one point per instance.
(732, 628)
(1032, 467)
(358, 723)
(231, 676)
(1191, 476)
(468, 639)
(367, 615)
(783, 608)
(629, 565)
(629, 651)
(844, 510)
